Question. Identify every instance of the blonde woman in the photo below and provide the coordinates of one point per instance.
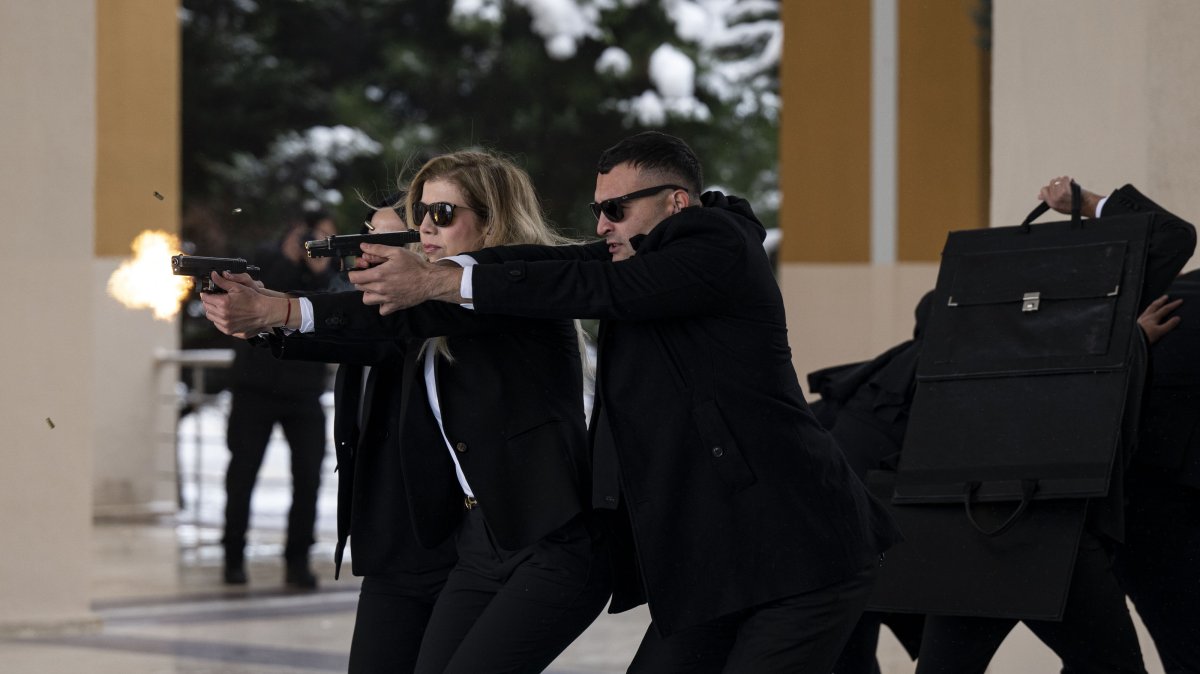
(491, 426)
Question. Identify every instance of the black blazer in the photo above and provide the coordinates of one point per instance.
(1170, 439)
(512, 407)
(373, 509)
(736, 495)
(1172, 240)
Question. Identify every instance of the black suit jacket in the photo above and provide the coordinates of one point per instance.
(373, 508)
(1172, 242)
(736, 495)
(1170, 440)
(512, 407)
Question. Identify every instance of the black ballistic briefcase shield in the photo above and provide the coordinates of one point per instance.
(1017, 417)
(946, 567)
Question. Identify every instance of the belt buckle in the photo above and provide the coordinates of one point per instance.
(469, 502)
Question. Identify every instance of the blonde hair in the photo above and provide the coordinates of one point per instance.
(499, 191)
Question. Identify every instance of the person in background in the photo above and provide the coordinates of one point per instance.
(1157, 565)
(267, 392)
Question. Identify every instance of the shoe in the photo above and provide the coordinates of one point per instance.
(235, 566)
(299, 576)
(235, 574)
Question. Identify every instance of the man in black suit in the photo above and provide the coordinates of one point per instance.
(268, 392)
(1157, 565)
(735, 516)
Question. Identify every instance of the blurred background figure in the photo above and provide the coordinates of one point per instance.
(266, 392)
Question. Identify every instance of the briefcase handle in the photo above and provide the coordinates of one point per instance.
(1076, 205)
(1028, 488)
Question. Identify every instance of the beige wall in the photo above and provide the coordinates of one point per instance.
(849, 312)
(1113, 100)
(137, 154)
(47, 150)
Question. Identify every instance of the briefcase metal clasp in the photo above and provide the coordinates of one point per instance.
(1031, 301)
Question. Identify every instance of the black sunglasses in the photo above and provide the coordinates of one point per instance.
(441, 212)
(614, 209)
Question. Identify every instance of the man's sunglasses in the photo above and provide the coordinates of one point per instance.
(614, 209)
(441, 212)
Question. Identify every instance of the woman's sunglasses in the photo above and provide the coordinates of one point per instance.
(441, 212)
(614, 209)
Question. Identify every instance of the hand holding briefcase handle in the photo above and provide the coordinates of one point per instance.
(1065, 196)
(1057, 195)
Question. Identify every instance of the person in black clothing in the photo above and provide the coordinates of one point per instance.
(490, 427)
(401, 579)
(1157, 565)
(1096, 633)
(266, 392)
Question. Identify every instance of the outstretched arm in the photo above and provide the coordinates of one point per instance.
(1172, 239)
(401, 279)
(246, 309)
(692, 263)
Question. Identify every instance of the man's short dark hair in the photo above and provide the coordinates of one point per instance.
(656, 152)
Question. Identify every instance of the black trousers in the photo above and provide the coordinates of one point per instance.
(252, 416)
(800, 634)
(1096, 634)
(1159, 565)
(503, 611)
(393, 611)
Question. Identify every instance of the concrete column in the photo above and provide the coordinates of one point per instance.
(47, 176)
